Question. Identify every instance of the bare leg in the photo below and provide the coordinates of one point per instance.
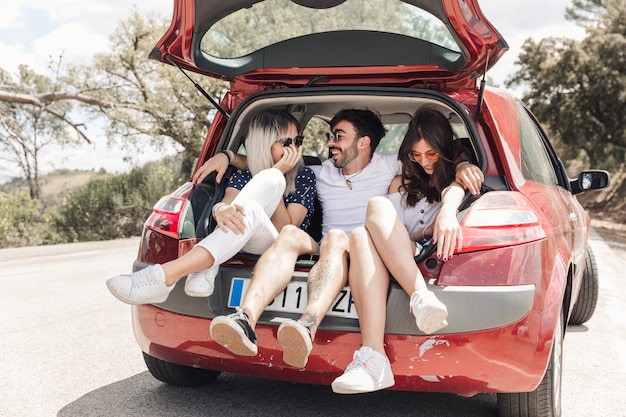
(272, 274)
(370, 369)
(382, 222)
(274, 270)
(369, 283)
(397, 253)
(327, 277)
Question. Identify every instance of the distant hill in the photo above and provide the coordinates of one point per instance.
(56, 184)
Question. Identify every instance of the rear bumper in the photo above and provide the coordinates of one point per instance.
(470, 308)
(508, 359)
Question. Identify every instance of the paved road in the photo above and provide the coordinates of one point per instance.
(67, 349)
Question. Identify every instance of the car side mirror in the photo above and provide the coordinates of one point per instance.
(590, 180)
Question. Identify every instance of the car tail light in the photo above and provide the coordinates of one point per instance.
(169, 213)
(501, 218)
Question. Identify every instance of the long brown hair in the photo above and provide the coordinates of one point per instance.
(434, 128)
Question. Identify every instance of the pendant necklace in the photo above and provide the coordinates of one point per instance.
(349, 180)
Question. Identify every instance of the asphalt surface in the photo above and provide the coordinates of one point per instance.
(67, 349)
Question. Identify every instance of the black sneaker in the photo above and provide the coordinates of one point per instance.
(235, 333)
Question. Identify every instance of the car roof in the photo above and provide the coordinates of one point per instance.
(401, 42)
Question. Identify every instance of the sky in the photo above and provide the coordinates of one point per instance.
(34, 31)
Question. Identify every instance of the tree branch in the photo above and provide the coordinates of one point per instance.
(42, 100)
(45, 99)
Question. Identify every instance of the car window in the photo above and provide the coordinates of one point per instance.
(272, 21)
(315, 140)
(315, 143)
(536, 163)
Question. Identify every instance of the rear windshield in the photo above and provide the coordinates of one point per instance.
(270, 22)
(316, 145)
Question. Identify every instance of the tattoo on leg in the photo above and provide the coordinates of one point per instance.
(318, 280)
(309, 320)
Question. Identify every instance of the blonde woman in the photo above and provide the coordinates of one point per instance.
(275, 190)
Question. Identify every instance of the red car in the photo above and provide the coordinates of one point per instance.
(525, 268)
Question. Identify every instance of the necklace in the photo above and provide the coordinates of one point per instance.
(349, 180)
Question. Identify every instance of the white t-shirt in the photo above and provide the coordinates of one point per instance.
(417, 217)
(344, 208)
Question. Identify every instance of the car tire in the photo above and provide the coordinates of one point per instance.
(588, 298)
(180, 375)
(545, 400)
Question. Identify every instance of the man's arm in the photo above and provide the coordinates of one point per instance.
(219, 163)
(469, 176)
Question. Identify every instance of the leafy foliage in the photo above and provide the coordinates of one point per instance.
(153, 100)
(578, 89)
(26, 129)
(114, 207)
(21, 222)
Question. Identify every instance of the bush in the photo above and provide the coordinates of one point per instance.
(114, 207)
(22, 222)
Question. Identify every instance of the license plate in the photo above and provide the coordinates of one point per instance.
(293, 299)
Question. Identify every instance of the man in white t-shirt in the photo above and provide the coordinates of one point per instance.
(345, 183)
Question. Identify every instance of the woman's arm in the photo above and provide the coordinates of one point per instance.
(299, 203)
(294, 214)
(446, 230)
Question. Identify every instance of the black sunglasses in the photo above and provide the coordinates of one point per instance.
(296, 141)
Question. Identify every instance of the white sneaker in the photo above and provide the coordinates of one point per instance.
(146, 286)
(201, 283)
(295, 339)
(430, 313)
(369, 371)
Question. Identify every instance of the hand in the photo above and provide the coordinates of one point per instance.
(217, 163)
(447, 234)
(291, 155)
(470, 177)
(230, 217)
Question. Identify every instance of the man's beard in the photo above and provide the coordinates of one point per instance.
(346, 156)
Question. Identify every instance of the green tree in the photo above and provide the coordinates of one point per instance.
(29, 124)
(36, 113)
(578, 89)
(151, 100)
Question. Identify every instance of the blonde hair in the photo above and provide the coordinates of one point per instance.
(266, 128)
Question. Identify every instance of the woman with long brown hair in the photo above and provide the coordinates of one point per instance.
(395, 229)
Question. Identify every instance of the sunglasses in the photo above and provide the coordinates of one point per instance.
(417, 157)
(288, 141)
(335, 136)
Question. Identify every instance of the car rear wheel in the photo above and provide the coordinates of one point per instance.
(545, 400)
(181, 375)
(588, 298)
